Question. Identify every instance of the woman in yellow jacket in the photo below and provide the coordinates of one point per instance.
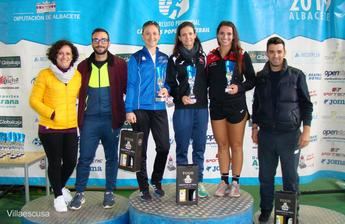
(54, 97)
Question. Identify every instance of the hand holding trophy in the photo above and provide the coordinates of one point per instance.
(160, 79)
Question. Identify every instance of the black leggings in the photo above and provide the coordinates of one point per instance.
(61, 150)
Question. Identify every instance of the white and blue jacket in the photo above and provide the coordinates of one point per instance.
(142, 80)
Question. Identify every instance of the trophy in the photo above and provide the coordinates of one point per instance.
(229, 68)
(191, 71)
(160, 76)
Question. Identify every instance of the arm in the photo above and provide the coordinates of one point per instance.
(132, 70)
(304, 139)
(132, 73)
(125, 75)
(255, 132)
(249, 74)
(255, 127)
(306, 107)
(171, 79)
(37, 95)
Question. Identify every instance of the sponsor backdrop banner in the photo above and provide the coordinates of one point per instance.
(314, 31)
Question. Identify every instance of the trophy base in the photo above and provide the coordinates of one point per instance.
(192, 101)
(160, 99)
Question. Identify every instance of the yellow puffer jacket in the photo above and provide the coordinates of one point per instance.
(49, 94)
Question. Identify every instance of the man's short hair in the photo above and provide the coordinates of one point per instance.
(275, 40)
(100, 30)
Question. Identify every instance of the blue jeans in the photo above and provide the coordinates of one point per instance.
(272, 147)
(93, 130)
(191, 124)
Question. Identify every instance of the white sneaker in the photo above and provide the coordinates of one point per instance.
(60, 204)
(235, 190)
(66, 195)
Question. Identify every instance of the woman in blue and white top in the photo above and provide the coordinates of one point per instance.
(144, 109)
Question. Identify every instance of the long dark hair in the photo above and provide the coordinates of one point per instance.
(235, 45)
(178, 43)
(54, 49)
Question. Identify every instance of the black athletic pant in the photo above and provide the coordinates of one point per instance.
(61, 150)
(157, 122)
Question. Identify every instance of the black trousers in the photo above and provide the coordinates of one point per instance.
(157, 122)
(61, 150)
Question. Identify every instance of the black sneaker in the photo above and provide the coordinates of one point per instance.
(265, 215)
(157, 189)
(145, 195)
(109, 200)
(77, 201)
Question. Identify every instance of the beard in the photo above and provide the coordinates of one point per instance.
(100, 50)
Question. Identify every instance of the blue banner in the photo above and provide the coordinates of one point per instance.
(47, 21)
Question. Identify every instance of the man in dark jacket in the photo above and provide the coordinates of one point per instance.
(281, 104)
(101, 113)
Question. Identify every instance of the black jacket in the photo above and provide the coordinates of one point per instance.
(177, 80)
(293, 103)
(217, 80)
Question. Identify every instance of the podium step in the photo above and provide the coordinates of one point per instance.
(311, 215)
(41, 210)
(211, 210)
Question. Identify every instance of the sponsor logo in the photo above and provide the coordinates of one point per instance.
(8, 82)
(334, 115)
(212, 169)
(40, 61)
(312, 93)
(45, 11)
(333, 132)
(333, 152)
(95, 169)
(9, 100)
(307, 54)
(335, 91)
(306, 161)
(96, 165)
(210, 139)
(45, 7)
(36, 142)
(334, 75)
(173, 8)
(337, 56)
(10, 62)
(258, 56)
(308, 10)
(309, 57)
(333, 162)
(255, 162)
(334, 135)
(314, 76)
(215, 160)
(11, 121)
(313, 138)
(334, 102)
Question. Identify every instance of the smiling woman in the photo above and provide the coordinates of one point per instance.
(53, 97)
(146, 75)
